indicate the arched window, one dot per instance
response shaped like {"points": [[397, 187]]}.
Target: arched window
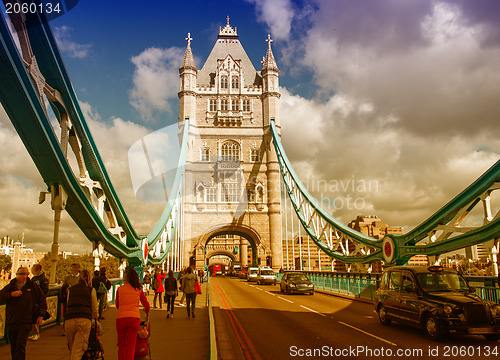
{"points": [[235, 82], [223, 82], [230, 151]]}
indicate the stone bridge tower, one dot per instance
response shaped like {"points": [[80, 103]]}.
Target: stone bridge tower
{"points": [[232, 186]]}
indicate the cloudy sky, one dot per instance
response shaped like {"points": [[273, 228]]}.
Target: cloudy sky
{"points": [[399, 95]]}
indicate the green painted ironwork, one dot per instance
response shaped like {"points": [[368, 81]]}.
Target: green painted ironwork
{"points": [[21, 100], [404, 245]]}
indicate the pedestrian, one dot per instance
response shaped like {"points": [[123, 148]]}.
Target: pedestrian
{"points": [[39, 279], [25, 305], [81, 308], [69, 281], [188, 282], [102, 285], [179, 277], [171, 293], [146, 282], [159, 291], [128, 318]]}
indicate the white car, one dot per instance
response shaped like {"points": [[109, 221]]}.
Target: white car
{"points": [[252, 274], [266, 276]]}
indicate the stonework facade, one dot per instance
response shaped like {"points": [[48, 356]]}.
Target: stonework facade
{"points": [[232, 174]]}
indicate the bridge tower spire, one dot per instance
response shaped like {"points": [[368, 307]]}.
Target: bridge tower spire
{"points": [[270, 104], [188, 76]]}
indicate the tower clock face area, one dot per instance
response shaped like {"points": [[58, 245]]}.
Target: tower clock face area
{"points": [[232, 176]]}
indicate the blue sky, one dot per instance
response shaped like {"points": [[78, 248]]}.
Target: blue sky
{"points": [[403, 94], [111, 34]]}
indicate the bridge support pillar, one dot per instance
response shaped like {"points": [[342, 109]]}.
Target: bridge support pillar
{"points": [[243, 252], [58, 203]]}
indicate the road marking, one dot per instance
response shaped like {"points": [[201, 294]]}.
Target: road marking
{"points": [[270, 293], [258, 288], [236, 322], [367, 333], [314, 311], [279, 297]]}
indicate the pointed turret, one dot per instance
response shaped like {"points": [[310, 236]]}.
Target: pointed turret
{"points": [[269, 64], [188, 61], [188, 76]]}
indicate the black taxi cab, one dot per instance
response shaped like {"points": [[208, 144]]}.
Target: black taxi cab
{"points": [[437, 299]]}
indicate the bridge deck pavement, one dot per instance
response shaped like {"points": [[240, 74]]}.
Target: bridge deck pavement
{"points": [[175, 338]]}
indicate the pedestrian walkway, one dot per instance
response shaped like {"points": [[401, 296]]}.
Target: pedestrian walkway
{"points": [[174, 338]]}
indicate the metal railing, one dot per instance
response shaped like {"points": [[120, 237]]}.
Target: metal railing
{"points": [[363, 286]]}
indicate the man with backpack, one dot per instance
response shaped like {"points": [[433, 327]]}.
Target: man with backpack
{"points": [[101, 284]]}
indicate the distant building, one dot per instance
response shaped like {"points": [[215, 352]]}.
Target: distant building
{"points": [[374, 227], [19, 253]]}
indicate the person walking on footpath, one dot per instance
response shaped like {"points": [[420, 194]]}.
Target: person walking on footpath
{"points": [[26, 305], [179, 277], [102, 290], [128, 317], [69, 281], [188, 288], [146, 282], [159, 291], [171, 293], [39, 279], [81, 308]]}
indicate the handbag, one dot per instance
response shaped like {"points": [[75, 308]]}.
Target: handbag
{"points": [[197, 287]]}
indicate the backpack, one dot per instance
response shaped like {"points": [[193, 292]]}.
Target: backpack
{"points": [[102, 288], [155, 285]]}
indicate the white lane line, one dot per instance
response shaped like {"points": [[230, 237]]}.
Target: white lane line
{"points": [[270, 293], [258, 288], [314, 311], [279, 297], [367, 333]]}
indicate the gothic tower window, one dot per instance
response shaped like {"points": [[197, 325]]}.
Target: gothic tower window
{"points": [[246, 105], [211, 194], [213, 105], [230, 151], [235, 82], [205, 154], [224, 105], [254, 155], [223, 82], [230, 192], [235, 103]]}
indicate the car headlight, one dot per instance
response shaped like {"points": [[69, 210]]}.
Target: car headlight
{"points": [[292, 285], [495, 310], [447, 309], [310, 285]]}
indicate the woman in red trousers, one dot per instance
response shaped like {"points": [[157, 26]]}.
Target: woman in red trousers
{"points": [[128, 318]]}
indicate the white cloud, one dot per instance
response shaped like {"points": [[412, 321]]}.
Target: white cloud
{"points": [[68, 46], [276, 14], [345, 140], [156, 80]]}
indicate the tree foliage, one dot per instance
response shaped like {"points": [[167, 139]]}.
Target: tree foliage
{"points": [[85, 261], [5, 263]]}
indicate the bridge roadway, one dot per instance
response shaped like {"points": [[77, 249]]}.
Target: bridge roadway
{"points": [[267, 324]]}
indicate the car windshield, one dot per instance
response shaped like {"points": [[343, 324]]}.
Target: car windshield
{"points": [[297, 277], [437, 282], [267, 272], [253, 271]]}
